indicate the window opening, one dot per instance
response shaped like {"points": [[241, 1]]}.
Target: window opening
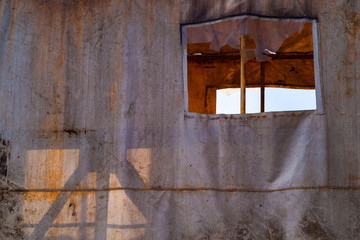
{"points": [[284, 99], [228, 100], [250, 65]]}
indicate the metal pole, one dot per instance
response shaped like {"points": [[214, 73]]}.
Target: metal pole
{"points": [[262, 76]]}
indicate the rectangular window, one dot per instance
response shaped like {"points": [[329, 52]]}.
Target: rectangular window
{"points": [[249, 64]]}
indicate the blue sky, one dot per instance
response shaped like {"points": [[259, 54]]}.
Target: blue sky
{"points": [[276, 99]]}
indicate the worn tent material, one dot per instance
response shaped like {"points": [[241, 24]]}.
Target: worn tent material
{"points": [[228, 32], [97, 146], [293, 42]]}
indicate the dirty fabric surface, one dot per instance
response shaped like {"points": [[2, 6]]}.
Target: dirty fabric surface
{"points": [[97, 144]]}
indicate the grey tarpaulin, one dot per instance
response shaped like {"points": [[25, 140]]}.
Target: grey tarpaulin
{"points": [[98, 145]]}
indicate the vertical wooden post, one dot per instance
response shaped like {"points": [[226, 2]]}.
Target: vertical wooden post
{"points": [[262, 79], [242, 74]]}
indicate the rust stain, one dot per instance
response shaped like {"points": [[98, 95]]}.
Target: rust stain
{"points": [[12, 22], [349, 90], [150, 23], [194, 189], [30, 197], [78, 24], [179, 99], [341, 78], [353, 178], [129, 9], [55, 85], [67, 132], [352, 30], [113, 94]]}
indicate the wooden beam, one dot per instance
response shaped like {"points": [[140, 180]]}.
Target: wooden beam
{"points": [[236, 57], [242, 74]]}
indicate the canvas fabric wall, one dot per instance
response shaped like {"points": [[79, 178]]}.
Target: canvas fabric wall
{"points": [[97, 145]]}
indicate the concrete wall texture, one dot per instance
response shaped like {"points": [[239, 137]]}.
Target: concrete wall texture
{"points": [[95, 143]]}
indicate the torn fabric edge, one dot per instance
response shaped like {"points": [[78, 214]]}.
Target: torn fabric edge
{"points": [[228, 31]]}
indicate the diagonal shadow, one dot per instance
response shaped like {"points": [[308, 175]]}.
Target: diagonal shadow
{"points": [[102, 197], [54, 210], [137, 197]]}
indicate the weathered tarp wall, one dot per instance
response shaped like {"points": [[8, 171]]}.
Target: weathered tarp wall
{"points": [[95, 143]]}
